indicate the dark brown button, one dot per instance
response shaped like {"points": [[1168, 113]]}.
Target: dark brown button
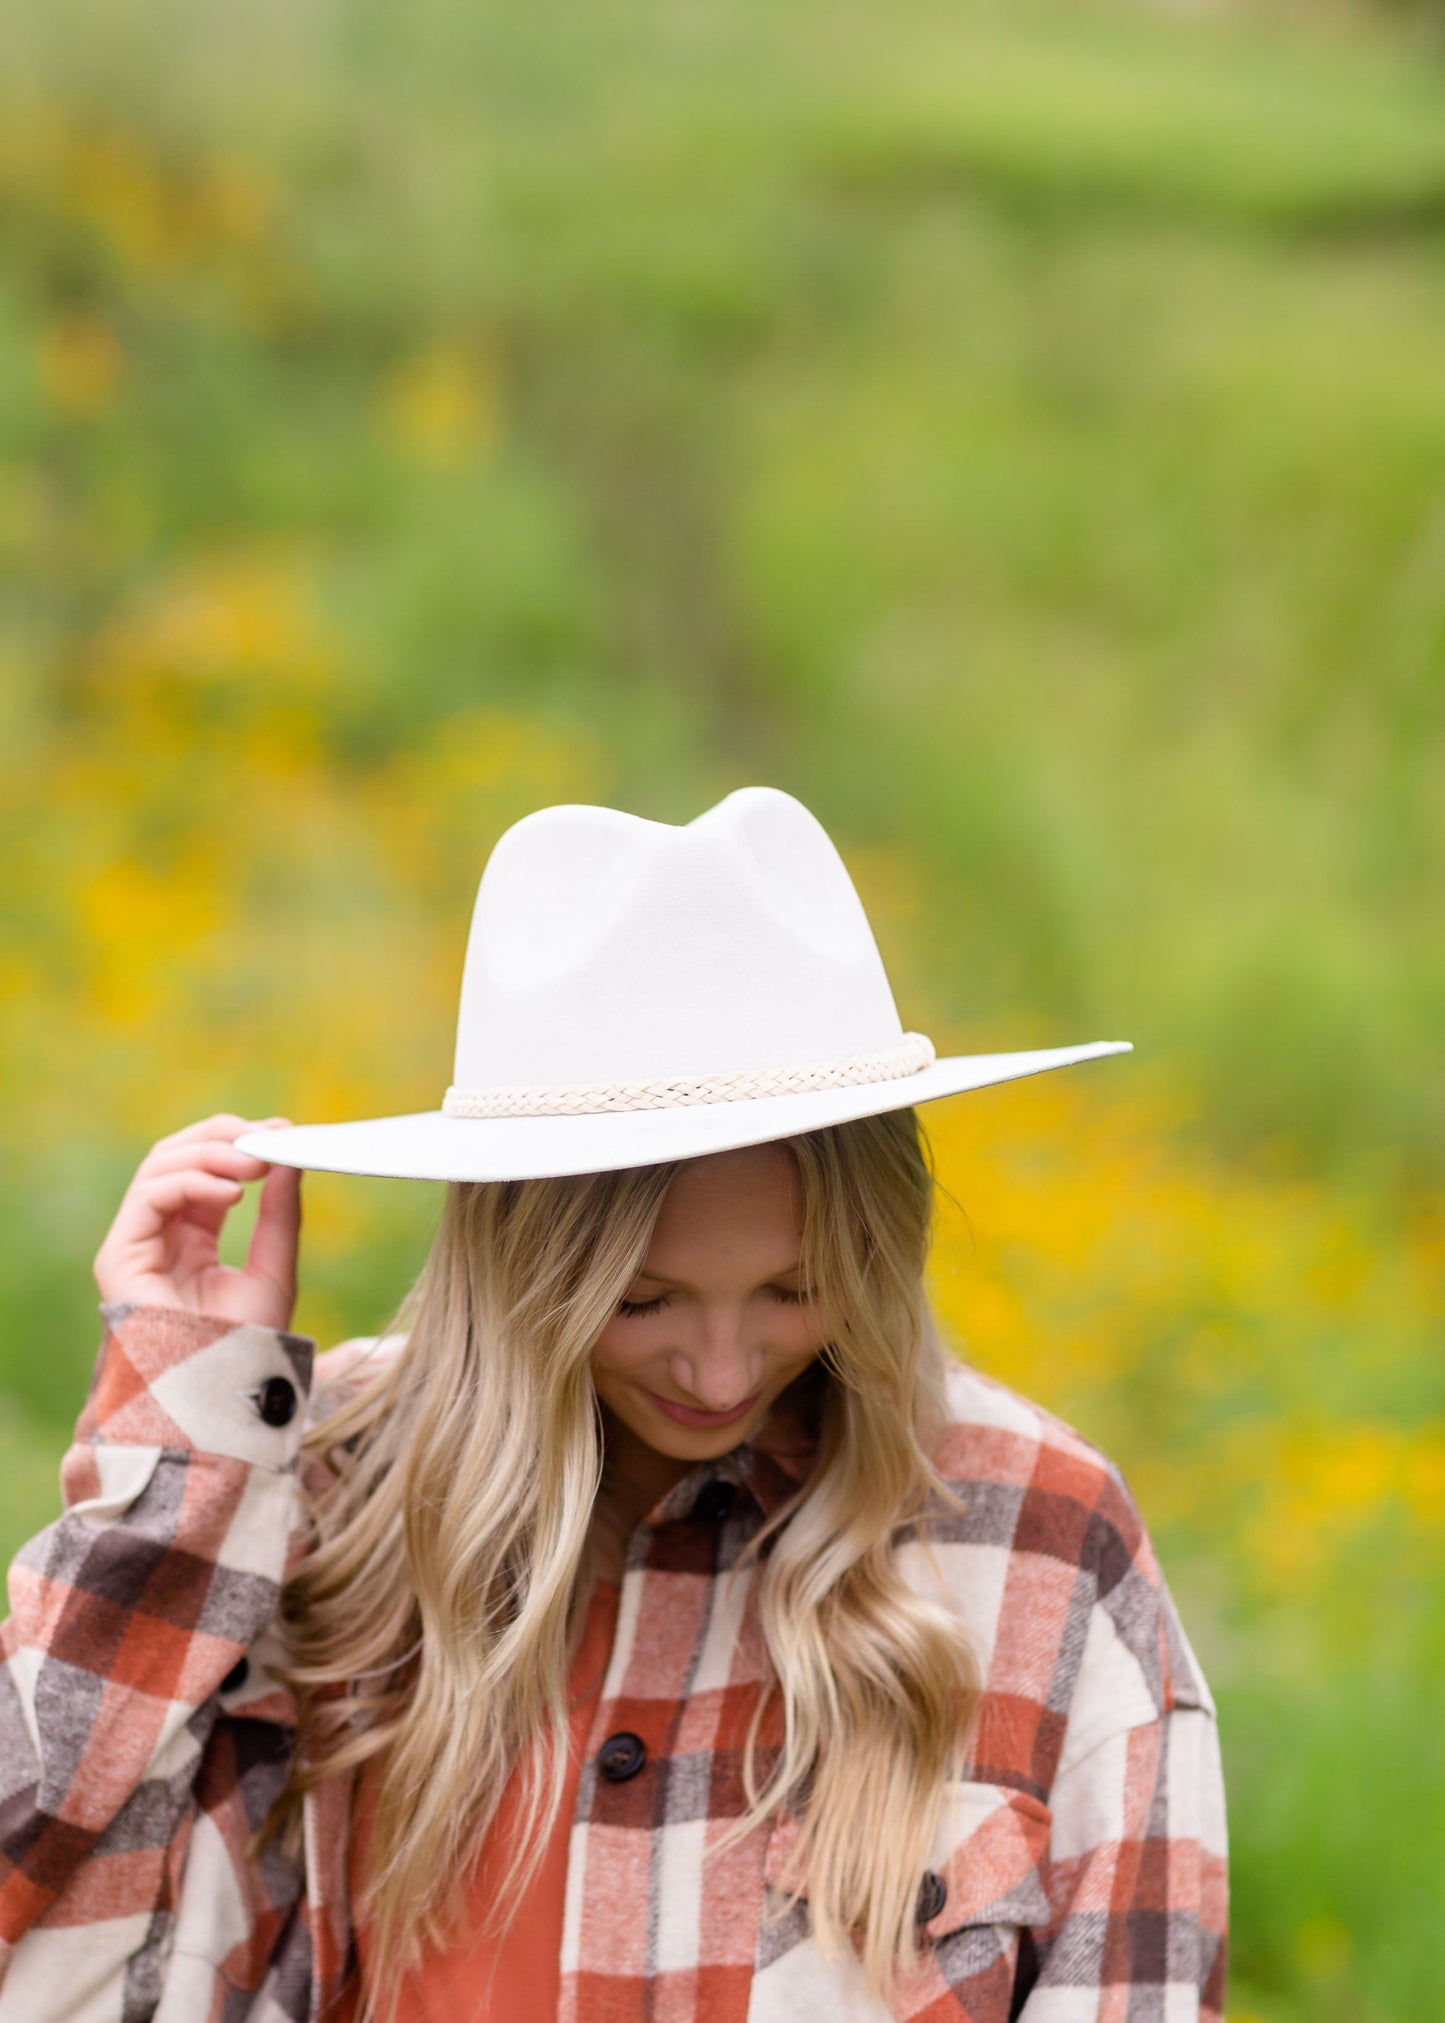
{"points": [[621, 1756], [276, 1401], [714, 1501], [236, 1678], [932, 1892]]}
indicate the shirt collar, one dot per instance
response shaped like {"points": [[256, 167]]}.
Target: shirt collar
{"points": [[772, 1465]]}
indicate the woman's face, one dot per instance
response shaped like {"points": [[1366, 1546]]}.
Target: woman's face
{"points": [[719, 1320]]}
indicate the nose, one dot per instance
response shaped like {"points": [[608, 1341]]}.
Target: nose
{"points": [[721, 1369]]}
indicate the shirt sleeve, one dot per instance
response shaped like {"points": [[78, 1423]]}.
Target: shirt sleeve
{"points": [[1137, 1878], [127, 1614]]}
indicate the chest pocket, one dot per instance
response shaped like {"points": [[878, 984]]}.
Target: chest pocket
{"points": [[984, 1884], [990, 1858]]}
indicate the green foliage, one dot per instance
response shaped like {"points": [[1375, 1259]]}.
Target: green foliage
{"points": [[1017, 429]]}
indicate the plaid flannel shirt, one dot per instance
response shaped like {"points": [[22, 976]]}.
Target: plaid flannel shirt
{"points": [[1078, 1873]]}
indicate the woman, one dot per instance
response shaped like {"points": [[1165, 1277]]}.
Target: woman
{"points": [[664, 1624]]}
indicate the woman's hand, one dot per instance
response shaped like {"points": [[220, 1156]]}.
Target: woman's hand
{"points": [[162, 1247]]}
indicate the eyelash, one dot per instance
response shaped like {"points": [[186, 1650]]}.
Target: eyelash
{"points": [[652, 1306]]}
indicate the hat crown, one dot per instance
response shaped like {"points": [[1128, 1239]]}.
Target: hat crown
{"points": [[608, 948]]}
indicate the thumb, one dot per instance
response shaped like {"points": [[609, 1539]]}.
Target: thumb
{"points": [[271, 1253]]}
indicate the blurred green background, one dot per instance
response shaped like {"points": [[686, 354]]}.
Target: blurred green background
{"points": [[1017, 430]]}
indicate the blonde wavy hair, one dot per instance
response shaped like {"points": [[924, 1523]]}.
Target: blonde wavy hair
{"points": [[433, 1615]]}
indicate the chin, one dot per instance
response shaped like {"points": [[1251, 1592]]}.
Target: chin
{"points": [[689, 1439]]}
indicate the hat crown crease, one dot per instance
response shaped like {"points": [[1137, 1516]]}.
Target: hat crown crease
{"points": [[609, 949]]}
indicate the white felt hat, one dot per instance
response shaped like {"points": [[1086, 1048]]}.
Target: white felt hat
{"points": [[635, 992]]}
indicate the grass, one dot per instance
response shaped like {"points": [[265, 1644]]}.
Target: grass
{"points": [[1017, 430]]}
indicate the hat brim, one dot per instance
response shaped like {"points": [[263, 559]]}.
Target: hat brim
{"points": [[430, 1145]]}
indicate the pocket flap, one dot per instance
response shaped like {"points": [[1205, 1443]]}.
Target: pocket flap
{"points": [[990, 1854], [102, 1479]]}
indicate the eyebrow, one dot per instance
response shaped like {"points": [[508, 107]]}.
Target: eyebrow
{"points": [[681, 1284]]}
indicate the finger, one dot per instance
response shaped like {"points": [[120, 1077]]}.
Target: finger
{"points": [[211, 1155], [225, 1124], [272, 1249], [270, 1124], [149, 1207]]}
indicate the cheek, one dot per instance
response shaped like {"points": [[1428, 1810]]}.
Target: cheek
{"points": [[618, 1348], [800, 1334]]}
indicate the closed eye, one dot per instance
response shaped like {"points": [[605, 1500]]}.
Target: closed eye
{"points": [[634, 1307]]}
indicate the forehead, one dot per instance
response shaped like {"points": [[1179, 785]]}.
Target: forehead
{"points": [[729, 1203]]}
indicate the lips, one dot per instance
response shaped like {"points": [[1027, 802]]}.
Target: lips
{"points": [[686, 1416]]}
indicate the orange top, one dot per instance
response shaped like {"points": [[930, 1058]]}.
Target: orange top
{"points": [[516, 1981]]}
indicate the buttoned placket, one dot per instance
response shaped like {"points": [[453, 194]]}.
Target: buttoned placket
{"points": [[619, 1759], [707, 1494], [743, 1487], [637, 1766]]}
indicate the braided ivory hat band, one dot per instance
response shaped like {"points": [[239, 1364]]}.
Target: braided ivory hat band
{"points": [[577, 1099]]}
